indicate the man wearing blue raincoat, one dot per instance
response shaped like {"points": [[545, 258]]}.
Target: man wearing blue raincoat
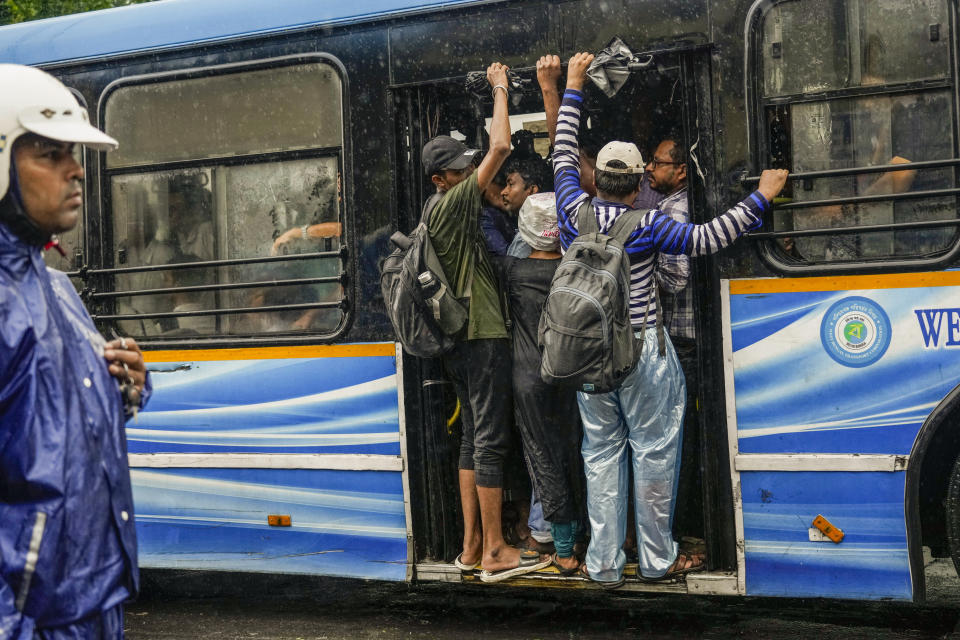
{"points": [[68, 549]]}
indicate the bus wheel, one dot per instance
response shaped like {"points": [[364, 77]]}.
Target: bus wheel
{"points": [[952, 515]]}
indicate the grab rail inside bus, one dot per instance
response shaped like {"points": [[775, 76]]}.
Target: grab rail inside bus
{"points": [[341, 253], [340, 304], [338, 279], [879, 197], [836, 231], [880, 168]]}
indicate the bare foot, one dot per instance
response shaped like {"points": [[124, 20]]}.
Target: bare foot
{"points": [[471, 553], [503, 557]]}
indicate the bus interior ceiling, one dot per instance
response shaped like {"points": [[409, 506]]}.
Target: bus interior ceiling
{"points": [[647, 109]]}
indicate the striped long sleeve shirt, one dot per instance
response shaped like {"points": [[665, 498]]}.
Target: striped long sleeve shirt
{"points": [[657, 232]]}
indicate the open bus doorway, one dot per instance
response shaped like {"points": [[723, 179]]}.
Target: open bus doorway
{"points": [[657, 103]]}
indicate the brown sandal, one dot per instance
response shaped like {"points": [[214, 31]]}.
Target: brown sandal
{"points": [[603, 584], [684, 564]]}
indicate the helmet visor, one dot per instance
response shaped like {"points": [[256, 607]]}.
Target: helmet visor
{"points": [[69, 125]]}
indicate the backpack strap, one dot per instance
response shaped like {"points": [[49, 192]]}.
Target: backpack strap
{"points": [[432, 261], [429, 206], [661, 339], [587, 219]]}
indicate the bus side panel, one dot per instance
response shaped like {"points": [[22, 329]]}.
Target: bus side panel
{"points": [[342, 523], [344, 405], [871, 562], [824, 374], [216, 454], [849, 372]]}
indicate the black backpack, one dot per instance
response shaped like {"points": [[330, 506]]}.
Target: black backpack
{"points": [[586, 338], [420, 304]]}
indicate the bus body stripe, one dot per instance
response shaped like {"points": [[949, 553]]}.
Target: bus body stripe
{"points": [[273, 353], [846, 283]]}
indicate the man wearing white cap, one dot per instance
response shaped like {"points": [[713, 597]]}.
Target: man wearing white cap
{"points": [[645, 414], [67, 539]]}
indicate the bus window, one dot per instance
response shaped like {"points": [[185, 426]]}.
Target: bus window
{"points": [[871, 86], [258, 185]]}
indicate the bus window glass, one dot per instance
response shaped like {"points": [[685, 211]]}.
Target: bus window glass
{"points": [[226, 213], [863, 132], [820, 45], [254, 213], [262, 111]]}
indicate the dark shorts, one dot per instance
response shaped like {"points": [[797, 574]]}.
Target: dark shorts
{"points": [[481, 375]]}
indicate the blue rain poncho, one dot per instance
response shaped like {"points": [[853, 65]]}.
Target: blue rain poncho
{"points": [[67, 542]]}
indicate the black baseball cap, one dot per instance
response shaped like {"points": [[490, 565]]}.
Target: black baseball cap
{"points": [[444, 152]]}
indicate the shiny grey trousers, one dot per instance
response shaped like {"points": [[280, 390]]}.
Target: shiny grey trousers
{"points": [[641, 422]]}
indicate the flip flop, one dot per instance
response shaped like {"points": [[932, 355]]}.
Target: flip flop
{"points": [[564, 571], [676, 573], [529, 562], [463, 566], [603, 584]]}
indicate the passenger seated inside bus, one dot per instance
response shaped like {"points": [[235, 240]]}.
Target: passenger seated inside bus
{"points": [[866, 131], [189, 301]]}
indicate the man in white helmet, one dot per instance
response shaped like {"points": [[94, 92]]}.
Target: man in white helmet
{"points": [[68, 550]]}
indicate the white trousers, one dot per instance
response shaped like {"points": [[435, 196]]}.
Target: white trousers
{"points": [[641, 422]]}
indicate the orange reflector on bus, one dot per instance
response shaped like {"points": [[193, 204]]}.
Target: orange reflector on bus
{"points": [[828, 529], [278, 520]]}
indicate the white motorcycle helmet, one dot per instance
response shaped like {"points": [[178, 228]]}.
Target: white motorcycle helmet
{"points": [[35, 102]]}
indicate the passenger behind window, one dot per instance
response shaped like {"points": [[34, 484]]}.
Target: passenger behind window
{"points": [[190, 209], [863, 134], [189, 301]]}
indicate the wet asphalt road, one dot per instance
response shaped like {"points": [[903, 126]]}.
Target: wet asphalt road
{"points": [[220, 606]]}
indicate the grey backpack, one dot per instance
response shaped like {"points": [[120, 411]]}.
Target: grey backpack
{"points": [[426, 316], [586, 339]]}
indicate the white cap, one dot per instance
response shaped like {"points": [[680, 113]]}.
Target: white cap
{"points": [[36, 102], [625, 152]]}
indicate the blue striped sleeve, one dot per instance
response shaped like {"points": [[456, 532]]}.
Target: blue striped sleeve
{"points": [[673, 237], [566, 166]]}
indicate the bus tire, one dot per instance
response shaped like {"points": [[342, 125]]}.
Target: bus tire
{"points": [[952, 514]]}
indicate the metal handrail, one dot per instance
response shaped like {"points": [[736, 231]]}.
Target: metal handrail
{"points": [[220, 287], [884, 197], [341, 304], [214, 263], [831, 231], [880, 168]]}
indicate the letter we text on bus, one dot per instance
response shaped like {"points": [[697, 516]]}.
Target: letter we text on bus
{"points": [[937, 324]]}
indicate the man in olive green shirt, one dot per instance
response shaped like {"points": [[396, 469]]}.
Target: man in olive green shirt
{"points": [[479, 365]]}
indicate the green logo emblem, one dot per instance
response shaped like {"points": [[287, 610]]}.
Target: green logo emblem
{"points": [[855, 332]]}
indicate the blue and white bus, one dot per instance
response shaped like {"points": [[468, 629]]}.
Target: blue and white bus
{"points": [[268, 151]]}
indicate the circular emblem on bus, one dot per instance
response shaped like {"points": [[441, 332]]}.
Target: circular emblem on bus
{"points": [[855, 331]]}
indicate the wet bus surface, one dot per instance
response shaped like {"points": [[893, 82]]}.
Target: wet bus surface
{"points": [[289, 433]]}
